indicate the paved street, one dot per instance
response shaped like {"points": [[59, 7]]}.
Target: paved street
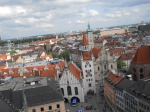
{"points": [[96, 101]]}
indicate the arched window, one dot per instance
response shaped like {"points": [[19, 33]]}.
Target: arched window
{"points": [[62, 90], [105, 67], [98, 68], [69, 90], [141, 76], [76, 90]]}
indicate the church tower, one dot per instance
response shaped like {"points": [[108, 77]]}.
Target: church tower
{"points": [[90, 37], [87, 65]]}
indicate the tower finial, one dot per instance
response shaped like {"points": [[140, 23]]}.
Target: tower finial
{"points": [[88, 25]]}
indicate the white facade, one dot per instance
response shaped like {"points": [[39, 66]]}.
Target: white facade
{"points": [[88, 74], [69, 80], [104, 63]]}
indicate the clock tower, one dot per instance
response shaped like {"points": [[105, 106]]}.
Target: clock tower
{"points": [[90, 37], [87, 66]]}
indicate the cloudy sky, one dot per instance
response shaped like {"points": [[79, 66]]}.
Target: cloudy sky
{"points": [[21, 18]]}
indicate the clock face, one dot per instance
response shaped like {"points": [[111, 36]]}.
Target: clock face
{"points": [[87, 62]]}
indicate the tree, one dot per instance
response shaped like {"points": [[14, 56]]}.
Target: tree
{"points": [[120, 64], [54, 55], [44, 46], [65, 55], [12, 52]]}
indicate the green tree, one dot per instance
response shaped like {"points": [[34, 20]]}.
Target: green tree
{"points": [[54, 55], [65, 54], [44, 46], [120, 64], [12, 52]]}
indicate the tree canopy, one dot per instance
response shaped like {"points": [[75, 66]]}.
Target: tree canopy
{"points": [[120, 64], [65, 54]]}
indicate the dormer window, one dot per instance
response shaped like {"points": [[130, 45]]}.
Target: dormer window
{"points": [[11, 72]]}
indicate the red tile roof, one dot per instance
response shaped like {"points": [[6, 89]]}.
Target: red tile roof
{"points": [[86, 55], [49, 73], [2, 67], [142, 55], [100, 40], [125, 57], [75, 71], [3, 56], [96, 51], [84, 40], [114, 78], [117, 51]]}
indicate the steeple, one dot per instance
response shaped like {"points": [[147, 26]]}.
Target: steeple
{"points": [[88, 25], [84, 40], [89, 29]]}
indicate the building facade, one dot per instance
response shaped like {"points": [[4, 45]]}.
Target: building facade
{"points": [[109, 83], [119, 94], [71, 83], [140, 64]]}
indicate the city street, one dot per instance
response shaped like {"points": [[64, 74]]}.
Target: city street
{"points": [[96, 101]]}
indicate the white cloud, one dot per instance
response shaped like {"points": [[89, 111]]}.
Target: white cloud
{"points": [[7, 11], [68, 22], [49, 16], [32, 20], [80, 21], [44, 25], [110, 15], [63, 15], [93, 12], [135, 10], [18, 21]]}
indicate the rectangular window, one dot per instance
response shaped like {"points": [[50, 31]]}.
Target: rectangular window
{"points": [[105, 67], [90, 85], [50, 107], [111, 66], [33, 110], [89, 65], [42, 109], [85, 66], [58, 106]]}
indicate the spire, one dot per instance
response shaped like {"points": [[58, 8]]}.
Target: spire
{"points": [[88, 29], [84, 41], [88, 25]]}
